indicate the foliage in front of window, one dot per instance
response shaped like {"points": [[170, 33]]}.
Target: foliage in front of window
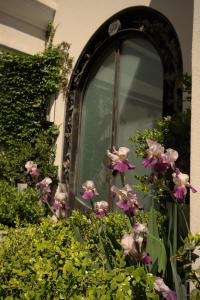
{"points": [[168, 131], [47, 262], [19, 208], [188, 256], [26, 84]]}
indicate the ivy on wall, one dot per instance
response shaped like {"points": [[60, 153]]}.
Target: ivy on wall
{"points": [[26, 84]]}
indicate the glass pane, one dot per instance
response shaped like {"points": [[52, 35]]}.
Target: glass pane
{"points": [[140, 94], [96, 126]]}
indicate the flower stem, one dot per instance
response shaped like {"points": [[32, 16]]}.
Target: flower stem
{"points": [[52, 210], [122, 175], [184, 217], [92, 204]]}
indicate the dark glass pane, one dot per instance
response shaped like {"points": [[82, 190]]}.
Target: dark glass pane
{"points": [[140, 94], [96, 126]]}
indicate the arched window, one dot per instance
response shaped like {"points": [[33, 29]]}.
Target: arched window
{"points": [[127, 82]]}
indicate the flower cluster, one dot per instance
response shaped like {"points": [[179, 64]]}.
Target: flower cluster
{"points": [[44, 188], [161, 160], [88, 192], [126, 199], [31, 168], [163, 289], [119, 159], [158, 158], [134, 244]]}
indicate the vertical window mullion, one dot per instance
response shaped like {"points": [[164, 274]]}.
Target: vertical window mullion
{"points": [[115, 96], [115, 111]]}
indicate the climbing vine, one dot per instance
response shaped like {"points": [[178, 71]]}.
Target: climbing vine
{"points": [[26, 85]]}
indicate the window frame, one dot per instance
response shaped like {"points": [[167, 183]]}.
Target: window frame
{"points": [[81, 77]]}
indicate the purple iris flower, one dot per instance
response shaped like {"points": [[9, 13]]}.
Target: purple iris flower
{"points": [[89, 190], [119, 159]]}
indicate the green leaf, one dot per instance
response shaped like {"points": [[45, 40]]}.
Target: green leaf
{"points": [[179, 287], [155, 245]]}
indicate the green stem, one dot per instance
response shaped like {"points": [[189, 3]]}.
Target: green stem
{"points": [[52, 210], [122, 175], [184, 217], [175, 231], [92, 204]]}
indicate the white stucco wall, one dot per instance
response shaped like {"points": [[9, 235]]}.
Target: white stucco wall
{"points": [[195, 123], [78, 20], [23, 24]]}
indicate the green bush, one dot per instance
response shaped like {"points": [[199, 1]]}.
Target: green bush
{"points": [[17, 208], [48, 262], [14, 157]]}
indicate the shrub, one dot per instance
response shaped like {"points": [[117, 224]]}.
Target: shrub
{"points": [[19, 207], [47, 262]]}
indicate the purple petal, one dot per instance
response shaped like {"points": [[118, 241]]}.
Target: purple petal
{"points": [[101, 214], [87, 195], [123, 205], [35, 173], [130, 166], [176, 170], [148, 162], [132, 211], [193, 189], [147, 260], [170, 295], [121, 167], [180, 192], [56, 206], [161, 167]]}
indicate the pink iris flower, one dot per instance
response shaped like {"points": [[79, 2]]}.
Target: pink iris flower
{"points": [[140, 232], [44, 188], [126, 199], [128, 244], [60, 201], [89, 190], [31, 168], [44, 184], [101, 208], [134, 244], [181, 182], [119, 159], [164, 290], [158, 158]]}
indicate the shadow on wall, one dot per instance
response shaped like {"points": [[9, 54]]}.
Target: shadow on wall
{"points": [[180, 14]]}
